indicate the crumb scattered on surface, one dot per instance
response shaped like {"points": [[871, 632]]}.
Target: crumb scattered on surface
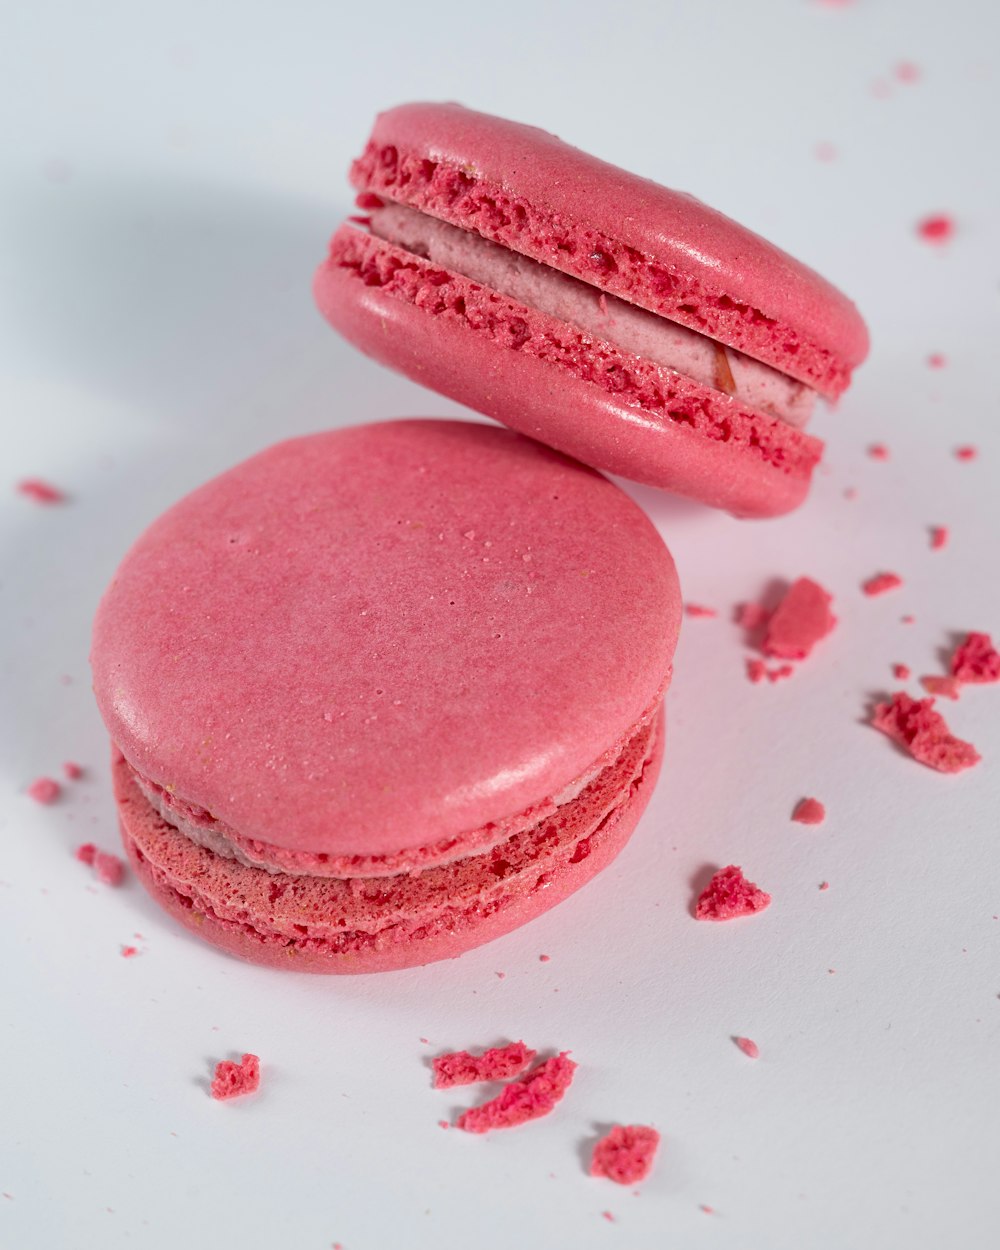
{"points": [[625, 1155], [86, 853], [707, 1209], [907, 72], [528, 1099], [976, 660], [41, 492], [880, 583], [966, 453], [901, 672], [751, 616], [938, 228], [231, 1080], [916, 726], [878, 451], [809, 812], [44, 790], [499, 1064], [544, 958], [937, 360], [728, 895], [800, 620], [824, 885], [949, 687], [939, 537], [608, 1216], [108, 868], [757, 671], [825, 151], [129, 952], [698, 609], [71, 771], [908, 619], [748, 1046]]}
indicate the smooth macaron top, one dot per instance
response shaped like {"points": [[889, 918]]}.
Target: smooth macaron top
{"points": [[365, 641], [661, 249]]}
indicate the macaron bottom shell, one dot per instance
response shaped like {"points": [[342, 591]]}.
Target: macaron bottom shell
{"points": [[185, 879]]}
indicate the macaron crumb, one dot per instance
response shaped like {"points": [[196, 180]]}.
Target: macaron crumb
{"points": [[544, 959], [824, 885], [939, 537], [915, 726], [729, 895], [108, 868], [232, 1080], [948, 687], [809, 812], [966, 452], [750, 616], [699, 610], [608, 1216], [498, 1064], [901, 672], [937, 360], [706, 1208], [71, 771], [976, 660], [36, 489], [880, 583], [44, 790], [748, 1046], [938, 228], [757, 670], [800, 621], [878, 451], [528, 1099], [625, 1155], [129, 952]]}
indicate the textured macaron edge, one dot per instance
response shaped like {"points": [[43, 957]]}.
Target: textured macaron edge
{"points": [[547, 379], [660, 249], [448, 930]]}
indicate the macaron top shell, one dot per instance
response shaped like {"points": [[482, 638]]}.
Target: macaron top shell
{"points": [[367, 640], [661, 249]]}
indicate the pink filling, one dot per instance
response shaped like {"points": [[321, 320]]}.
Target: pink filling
{"points": [[333, 914], [606, 317], [656, 391], [202, 827], [534, 1096], [462, 198], [498, 1064], [626, 1154]]}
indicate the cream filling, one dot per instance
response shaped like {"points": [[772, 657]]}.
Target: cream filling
{"points": [[606, 317]]}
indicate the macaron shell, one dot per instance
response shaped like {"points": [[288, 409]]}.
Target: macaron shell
{"points": [[373, 639], [658, 248], [247, 938], [495, 376]]}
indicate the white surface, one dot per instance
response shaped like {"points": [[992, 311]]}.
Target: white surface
{"points": [[171, 174]]}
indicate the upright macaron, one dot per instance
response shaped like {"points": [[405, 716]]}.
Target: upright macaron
{"points": [[624, 323], [382, 694]]}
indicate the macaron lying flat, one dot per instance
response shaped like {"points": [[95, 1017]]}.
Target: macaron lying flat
{"points": [[626, 324], [382, 694]]}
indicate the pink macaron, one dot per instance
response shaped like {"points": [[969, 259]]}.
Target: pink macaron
{"points": [[383, 694], [626, 324]]}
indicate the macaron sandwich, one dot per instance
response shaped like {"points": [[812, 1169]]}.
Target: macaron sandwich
{"points": [[382, 694]]}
